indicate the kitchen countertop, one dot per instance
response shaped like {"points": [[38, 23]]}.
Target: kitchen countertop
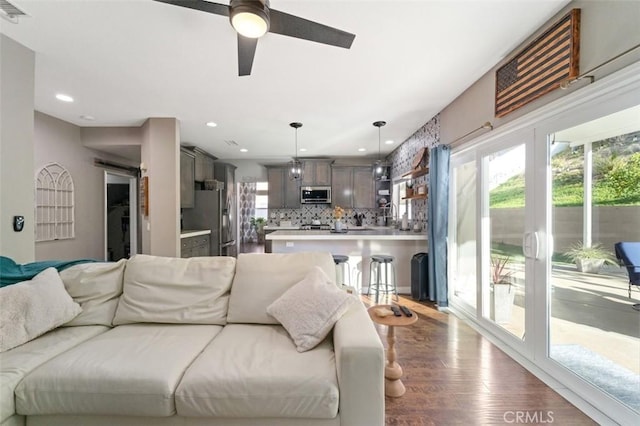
{"points": [[371, 233], [276, 227], [186, 233]]}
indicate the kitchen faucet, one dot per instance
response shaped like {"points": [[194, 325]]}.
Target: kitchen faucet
{"points": [[393, 211]]}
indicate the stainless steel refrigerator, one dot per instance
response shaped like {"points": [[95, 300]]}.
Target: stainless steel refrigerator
{"points": [[215, 209]]}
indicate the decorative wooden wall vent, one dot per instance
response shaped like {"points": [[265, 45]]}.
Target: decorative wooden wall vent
{"points": [[541, 67]]}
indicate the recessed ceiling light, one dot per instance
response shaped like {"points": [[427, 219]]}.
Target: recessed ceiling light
{"points": [[87, 117], [64, 98], [244, 150], [211, 124], [389, 142], [303, 149], [362, 149]]}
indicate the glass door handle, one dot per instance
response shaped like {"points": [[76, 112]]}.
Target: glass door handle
{"points": [[531, 245]]}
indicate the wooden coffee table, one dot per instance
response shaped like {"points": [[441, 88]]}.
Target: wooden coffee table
{"points": [[392, 371]]}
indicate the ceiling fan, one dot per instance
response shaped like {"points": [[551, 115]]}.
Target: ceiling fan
{"points": [[253, 18]]}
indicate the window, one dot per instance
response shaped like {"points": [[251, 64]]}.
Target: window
{"points": [[54, 203], [262, 199], [403, 206]]}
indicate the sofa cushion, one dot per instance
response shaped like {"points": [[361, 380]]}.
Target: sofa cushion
{"points": [[129, 370], [259, 373], [185, 291], [18, 362], [262, 278], [309, 309], [97, 288], [31, 308]]}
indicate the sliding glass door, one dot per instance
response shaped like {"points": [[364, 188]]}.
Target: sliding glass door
{"points": [[535, 213], [594, 332], [489, 274]]}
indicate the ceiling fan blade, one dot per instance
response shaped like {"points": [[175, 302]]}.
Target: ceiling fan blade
{"points": [[294, 26], [246, 52], [204, 6]]}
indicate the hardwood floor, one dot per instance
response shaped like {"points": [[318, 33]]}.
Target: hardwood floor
{"points": [[454, 376]]}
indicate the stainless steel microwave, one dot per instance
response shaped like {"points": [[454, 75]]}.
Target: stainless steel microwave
{"points": [[315, 195]]}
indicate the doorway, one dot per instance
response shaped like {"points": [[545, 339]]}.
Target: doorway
{"points": [[120, 219]]}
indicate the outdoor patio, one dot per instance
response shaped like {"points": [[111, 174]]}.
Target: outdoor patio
{"points": [[594, 331]]}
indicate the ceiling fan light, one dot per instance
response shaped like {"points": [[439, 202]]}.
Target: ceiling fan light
{"points": [[250, 18], [249, 24]]}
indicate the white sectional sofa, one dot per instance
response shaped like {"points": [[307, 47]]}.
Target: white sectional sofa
{"points": [[168, 341]]}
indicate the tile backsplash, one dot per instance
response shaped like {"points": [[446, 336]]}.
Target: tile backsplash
{"points": [[402, 157], [321, 212]]}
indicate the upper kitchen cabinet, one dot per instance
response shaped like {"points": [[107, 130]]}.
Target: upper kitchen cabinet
{"points": [[352, 187], [363, 191], [187, 178], [317, 173], [204, 165], [283, 193]]}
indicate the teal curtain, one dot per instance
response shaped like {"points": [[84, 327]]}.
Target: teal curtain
{"points": [[438, 223]]}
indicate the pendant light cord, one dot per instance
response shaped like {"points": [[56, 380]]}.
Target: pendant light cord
{"points": [[379, 144], [379, 124], [296, 126]]}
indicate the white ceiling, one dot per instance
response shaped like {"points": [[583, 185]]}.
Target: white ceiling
{"points": [[126, 60]]}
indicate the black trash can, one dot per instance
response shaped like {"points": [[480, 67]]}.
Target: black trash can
{"points": [[419, 277]]}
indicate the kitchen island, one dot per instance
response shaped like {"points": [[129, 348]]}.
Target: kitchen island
{"points": [[359, 244]]}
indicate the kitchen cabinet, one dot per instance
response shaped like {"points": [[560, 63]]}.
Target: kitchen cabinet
{"points": [[195, 246], [363, 188], [268, 244], [317, 172], [204, 166], [283, 193], [187, 178], [352, 187]]}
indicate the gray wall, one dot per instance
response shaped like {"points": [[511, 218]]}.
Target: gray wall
{"points": [[125, 141], [58, 141], [161, 152], [249, 171], [607, 29], [17, 64]]}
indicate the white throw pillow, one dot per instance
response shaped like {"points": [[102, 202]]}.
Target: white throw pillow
{"points": [[309, 309], [97, 288], [176, 291], [31, 308]]}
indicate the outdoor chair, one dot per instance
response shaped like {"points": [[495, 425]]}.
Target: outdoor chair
{"points": [[628, 254]]}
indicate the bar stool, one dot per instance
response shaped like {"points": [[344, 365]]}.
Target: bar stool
{"points": [[377, 262], [341, 261]]}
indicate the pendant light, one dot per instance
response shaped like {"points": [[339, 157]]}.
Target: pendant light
{"points": [[295, 166], [379, 167]]}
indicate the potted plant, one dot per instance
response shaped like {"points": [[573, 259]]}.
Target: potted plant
{"points": [[409, 188], [338, 212], [502, 291], [258, 224], [589, 259]]}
